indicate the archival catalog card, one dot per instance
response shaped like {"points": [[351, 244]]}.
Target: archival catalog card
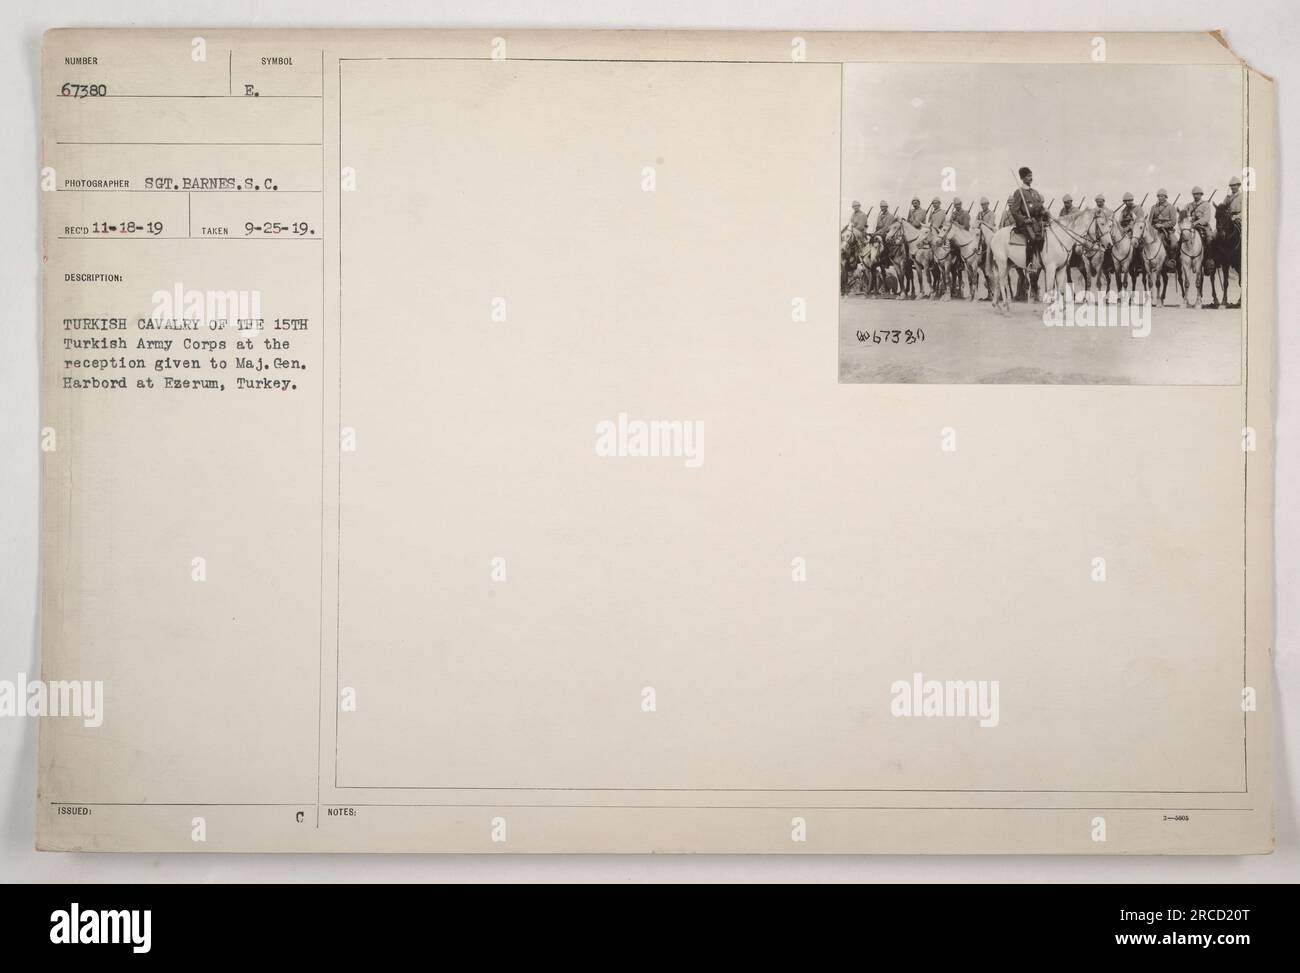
{"points": [[658, 442]]}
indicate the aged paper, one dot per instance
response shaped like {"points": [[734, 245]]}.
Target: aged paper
{"points": [[477, 442]]}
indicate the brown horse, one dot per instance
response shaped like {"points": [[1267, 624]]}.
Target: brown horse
{"points": [[1224, 255], [850, 260]]}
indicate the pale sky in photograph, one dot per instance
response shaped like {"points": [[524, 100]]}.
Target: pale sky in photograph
{"points": [[1081, 128]]}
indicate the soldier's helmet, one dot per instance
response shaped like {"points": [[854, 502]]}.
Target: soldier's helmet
{"points": [[1161, 194], [856, 204], [935, 201], [916, 200], [956, 202], [884, 205], [1128, 197], [1197, 191], [1067, 198], [984, 200], [1100, 199], [1234, 182]]}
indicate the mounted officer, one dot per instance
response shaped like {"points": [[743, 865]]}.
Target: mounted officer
{"points": [[1067, 205], [1028, 213], [1201, 213], [858, 221], [916, 216], [885, 219], [960, 216], [1234, 202], [1164, 218], [1129, 212], [936, 214]]}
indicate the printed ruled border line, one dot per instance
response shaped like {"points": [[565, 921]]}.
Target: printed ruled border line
{"points": [[662, 807], [320, 621], [339, 500]]}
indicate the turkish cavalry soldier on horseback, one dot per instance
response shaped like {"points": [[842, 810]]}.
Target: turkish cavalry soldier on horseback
{"points": [[1028, 214], [1201, 213], [1234, 200], [1164, 218]]}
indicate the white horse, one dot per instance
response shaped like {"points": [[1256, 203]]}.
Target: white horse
{"points": [[1191, 258], [1151, 258], [1060, 237]]}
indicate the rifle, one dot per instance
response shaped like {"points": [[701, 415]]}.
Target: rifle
{"points": [[945, 219], [1020, 189]]}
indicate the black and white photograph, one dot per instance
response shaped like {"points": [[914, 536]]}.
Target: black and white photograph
{"points": [[438, 451], [1042, 224]]}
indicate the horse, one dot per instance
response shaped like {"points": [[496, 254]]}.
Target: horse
{"points": [[1191, 257], [916, 246], [1095, 256], [1064, 238], [1005, 255], [872, 256], [1151, 259], [1224, 255], [891, 264], [964, 246], [987, 232], [1060, 237], [850, 259], [1123, 254]]}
